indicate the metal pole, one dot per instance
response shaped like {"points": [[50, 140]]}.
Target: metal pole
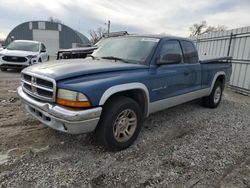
{"points": [[108, 26], [229, 45]]}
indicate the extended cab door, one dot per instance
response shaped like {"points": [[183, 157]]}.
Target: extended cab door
{"points": [[192, 65], [175, 79]]}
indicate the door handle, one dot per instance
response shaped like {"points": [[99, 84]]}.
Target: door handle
{"points": [[186, 73]]}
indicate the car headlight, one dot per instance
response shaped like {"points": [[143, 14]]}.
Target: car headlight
{"points": [[72, 98]]}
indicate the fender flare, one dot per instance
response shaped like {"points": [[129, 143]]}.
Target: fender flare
{"points": [[217, 74], [126, 87]]}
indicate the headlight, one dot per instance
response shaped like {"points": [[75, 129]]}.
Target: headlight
{"points": [[72, 98]]}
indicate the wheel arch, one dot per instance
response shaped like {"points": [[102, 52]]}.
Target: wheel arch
{"points": [[221, 76], [136, 91], [222, 79]]}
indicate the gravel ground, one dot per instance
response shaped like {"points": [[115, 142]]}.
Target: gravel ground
{"points": [[185, 146]]}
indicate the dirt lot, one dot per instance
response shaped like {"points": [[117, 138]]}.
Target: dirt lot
{"points": [[185, 146]]}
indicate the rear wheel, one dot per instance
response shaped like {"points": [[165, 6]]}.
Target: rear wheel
{"points": [[213, 100], [120, 123]]}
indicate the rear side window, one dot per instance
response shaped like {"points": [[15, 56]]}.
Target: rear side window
{"points": [[190, 53], [171, 47]]}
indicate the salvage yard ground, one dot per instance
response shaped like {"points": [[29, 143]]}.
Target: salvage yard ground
{"points": [[185, 146]]}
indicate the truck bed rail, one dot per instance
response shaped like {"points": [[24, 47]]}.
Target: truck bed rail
{"points": [[214, 59]]}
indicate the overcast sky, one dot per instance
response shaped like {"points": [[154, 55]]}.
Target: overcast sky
{"points": [[136, 16]]}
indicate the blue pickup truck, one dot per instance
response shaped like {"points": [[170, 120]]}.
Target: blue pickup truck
{"points": [[124, 80]]}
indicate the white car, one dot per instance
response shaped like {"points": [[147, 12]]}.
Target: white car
{"points": [[22, 53]]}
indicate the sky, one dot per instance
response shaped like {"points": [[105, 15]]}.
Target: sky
{"points": [[172, 17]]}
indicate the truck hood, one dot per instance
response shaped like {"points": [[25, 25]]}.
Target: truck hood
{"points": [[64, 69], [18, 53]]}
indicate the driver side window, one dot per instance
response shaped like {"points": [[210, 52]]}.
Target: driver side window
{"points": [[171, 47]]}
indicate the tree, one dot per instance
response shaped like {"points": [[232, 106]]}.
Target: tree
{"points": [[55, 20], [201, 28], [97, 34]]}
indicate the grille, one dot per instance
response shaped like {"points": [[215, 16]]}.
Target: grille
{"points": [[12, 66], [39, 87], [15, 59]]}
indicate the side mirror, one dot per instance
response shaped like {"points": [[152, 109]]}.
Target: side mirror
{"points": [[169, 59], [43, 50]]}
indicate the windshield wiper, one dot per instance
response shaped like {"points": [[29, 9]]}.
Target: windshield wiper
{"points": [[115, 58]]}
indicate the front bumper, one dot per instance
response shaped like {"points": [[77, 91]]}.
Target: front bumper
{"points": [[59, 118], [13, 66]]}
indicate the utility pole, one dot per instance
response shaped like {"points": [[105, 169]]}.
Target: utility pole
{"points": [[108, 26]]}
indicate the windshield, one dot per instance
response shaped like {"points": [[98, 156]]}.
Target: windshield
{"points": [[128, 49], [23, 46], [101, 42]]}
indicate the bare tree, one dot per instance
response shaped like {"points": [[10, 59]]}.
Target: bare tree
{"points": [[196, 29], [97, 34], [201, 28], [55, 20]]}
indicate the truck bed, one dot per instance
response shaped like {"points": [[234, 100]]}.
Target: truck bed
{"points": [[214, 59]]}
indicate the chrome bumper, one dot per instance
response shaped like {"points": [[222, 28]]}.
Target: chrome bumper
{"points": [[59, 118]]}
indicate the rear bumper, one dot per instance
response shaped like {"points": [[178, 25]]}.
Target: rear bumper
{"points": [[59, 118]]}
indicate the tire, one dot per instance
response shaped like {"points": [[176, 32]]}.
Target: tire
{"points": [[213, 100], [3, 69], [113, 131], [39, 60]]}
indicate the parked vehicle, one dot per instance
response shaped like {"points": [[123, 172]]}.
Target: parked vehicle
{"points": [[83, 52], [126, 79], [22, 53], [75, 53]]}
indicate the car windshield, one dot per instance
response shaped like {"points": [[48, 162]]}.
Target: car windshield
{"points": [[23, 46], [101, 42], [127, 49]]}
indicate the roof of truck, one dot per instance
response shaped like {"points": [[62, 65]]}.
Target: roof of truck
{"points": [[159, 36]]}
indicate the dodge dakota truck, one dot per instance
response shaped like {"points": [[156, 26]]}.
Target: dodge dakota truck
{"points": [[123, 82]]}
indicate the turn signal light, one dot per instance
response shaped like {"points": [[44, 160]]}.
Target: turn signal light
{"points": [[78, 104]]}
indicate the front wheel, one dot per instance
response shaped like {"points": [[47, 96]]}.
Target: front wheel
{"points": [[213, 100], [120, 123]]}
